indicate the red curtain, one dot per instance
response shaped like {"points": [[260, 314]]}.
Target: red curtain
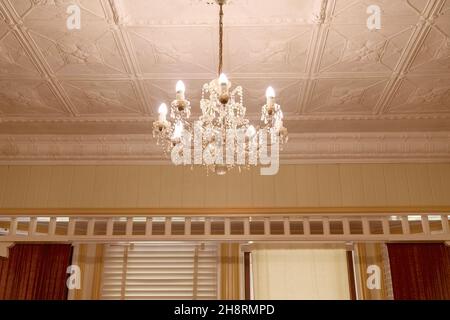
{"points": [[420, 271], [35, 272]]}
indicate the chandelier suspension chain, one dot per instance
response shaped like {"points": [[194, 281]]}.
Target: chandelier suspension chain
{"points": [[221, 39]]}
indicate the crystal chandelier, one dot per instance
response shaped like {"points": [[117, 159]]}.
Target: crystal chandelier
{"points": [[222, 128]]}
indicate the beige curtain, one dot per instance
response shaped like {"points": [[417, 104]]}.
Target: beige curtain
{"points": [[230, 271], [89, 257], [369, 254], [291, 272]]}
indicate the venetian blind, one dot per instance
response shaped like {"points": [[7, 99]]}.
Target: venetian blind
{"points": [[148, 271]]}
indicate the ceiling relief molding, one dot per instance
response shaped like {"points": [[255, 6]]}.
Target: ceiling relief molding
{"points": [[27, 43], [413, 48], [129, 149], [326, 67], [117, 23], [127, 118], [202, 13], [418, 96], [315, 53]]}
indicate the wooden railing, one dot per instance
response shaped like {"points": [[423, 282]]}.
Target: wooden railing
{"points": [[265, 227]]}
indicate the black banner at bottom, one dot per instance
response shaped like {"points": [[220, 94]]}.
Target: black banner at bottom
{"points": [[179, 310]]}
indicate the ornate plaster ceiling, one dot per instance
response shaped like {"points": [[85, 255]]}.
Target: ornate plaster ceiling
{"points": [[348, 93]]}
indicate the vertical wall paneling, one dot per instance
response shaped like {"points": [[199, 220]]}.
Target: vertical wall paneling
{"points": [[3, 182], [60, 187], [330, 194], [16, 187], [374, 185], [263, 193], [286, 197], [352, 185], [38, 188], [149, 182], [127, 187], [420, 186], [216, 191], [397, 189], [83, 186], [105, 185], [344, 185], [171, 186], [440, 178], [307, 186], [193, 187]]}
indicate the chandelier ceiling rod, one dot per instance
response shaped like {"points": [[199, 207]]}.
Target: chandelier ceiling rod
{"points": [[220, 38]]}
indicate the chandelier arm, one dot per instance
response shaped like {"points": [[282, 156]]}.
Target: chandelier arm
{"points": [[220, 38]]}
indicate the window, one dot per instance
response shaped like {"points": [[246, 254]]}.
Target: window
{"points": [[294, 272], [159, 270]]}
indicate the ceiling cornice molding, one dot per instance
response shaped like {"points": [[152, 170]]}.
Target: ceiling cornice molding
{"points": [[141, 149], [150, 119]]}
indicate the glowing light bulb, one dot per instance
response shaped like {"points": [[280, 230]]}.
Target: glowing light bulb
{"points": [[162, 112], [270, 92], [270, 95], [223, 80], [178, 131], [180, 86], [163, 109]]}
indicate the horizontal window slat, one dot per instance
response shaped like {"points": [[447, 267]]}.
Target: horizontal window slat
{"points": [[160, 290], [161, 286], [202, 276], [169, 259]]}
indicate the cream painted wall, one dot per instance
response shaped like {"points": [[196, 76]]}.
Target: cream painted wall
{"points": [[344, 185]]}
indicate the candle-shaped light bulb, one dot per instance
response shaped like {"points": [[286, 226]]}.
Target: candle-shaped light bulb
{"points": [[270, 92], [178, 131], [270, 95], [223, 80], [162, 112], [181, 89]]}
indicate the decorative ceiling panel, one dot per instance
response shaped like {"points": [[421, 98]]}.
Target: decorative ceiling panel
{"points": [[350, 49], [331, 73], [14, 60], [394, 12], [265, 50], [174, 49], [93, 50], [346, 95], [434, 54], [3, 25], [32, 97], [421, 95], [199, 12], [109, 98], [55, 11]]}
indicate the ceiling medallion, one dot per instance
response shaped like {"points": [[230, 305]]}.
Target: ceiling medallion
{"points": [[222, 130]]}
